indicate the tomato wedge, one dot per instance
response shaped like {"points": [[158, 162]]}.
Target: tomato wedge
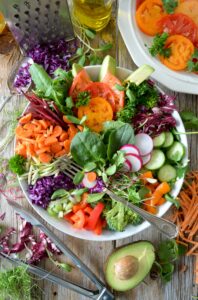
{"points": [[181, 51], [179, 24], [79, 219], [148, 14], [111, 80], [79, 83], [189, 8], [101, 89]]}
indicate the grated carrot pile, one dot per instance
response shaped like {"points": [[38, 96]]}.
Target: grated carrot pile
{"points": [[186, 217]]}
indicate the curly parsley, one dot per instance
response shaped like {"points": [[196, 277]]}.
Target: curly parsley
{"points": [[158, 46], [83, 99], [193, 62], [170, 5]]}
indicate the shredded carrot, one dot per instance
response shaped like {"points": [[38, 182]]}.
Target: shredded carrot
{"points": [[186, 217]]}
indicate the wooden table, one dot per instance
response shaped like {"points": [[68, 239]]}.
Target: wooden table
{"points": [[92, 253]]}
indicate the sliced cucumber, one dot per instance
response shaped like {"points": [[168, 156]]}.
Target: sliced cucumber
{"points": [[108, 66], [175, 152], [139, 75], [167, 173], [169, 139], [157, 160], [159, 140], [76, 69]]}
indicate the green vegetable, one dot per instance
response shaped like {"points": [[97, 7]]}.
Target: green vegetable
{"points": [[65, 266], [142, 94], [158, 46], [83, 99], [17, 284], [17, 164], [78, 177], [173, 200], [193, 62], [190, 119], [87, 147], [118, 138], [95, 197], [53, 89], [170, 5], [168, 251]]}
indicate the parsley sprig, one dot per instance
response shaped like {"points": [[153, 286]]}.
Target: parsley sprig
{"points": [[170, 5], [193, 62], [83, 99], [158, 46], [190, 119]]}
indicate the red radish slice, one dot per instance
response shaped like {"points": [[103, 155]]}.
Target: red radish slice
{"points": [[127, 167], [144, 143], [146, 159], [87, 183], [135, 160], [129, 148]]}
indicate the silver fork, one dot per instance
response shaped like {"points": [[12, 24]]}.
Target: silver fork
{"points": [[164, 226]]}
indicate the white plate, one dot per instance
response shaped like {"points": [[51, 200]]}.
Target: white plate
{"points": [[136, 40], [107, 235]]}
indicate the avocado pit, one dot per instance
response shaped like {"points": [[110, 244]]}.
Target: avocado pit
{"points": [[126, 267]]}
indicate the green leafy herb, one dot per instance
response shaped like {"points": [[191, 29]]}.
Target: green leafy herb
{"points": [[17, 164], [83, 99], [87, 147], [90, 167], [190, 119], [90, 33], [78, 177], [65, 266], [193, 62], [111, 170], [95, 197], [170, 5], [119, 87], [181, 170], [158, 46], [173, 200]]}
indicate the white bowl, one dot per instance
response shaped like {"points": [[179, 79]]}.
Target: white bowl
{"points": [[108, 235], [136, 40]]}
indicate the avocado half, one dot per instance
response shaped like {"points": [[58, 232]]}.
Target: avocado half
{"points": [[127, 266]]}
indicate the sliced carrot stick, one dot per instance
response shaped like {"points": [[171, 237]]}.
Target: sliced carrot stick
{"points": [[66, 120], [61, 153], [25, 119], [45, 158], [67, 146], [72, 131], [44, 124], [43, 150], [50, 140], [57, 131], [64, 136], [55, 147]]}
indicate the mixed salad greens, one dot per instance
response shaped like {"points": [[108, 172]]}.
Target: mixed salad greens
{"points": [[121, 135]]}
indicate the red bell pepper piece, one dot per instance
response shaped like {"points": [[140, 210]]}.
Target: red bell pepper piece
{"points": [[82, 204], [98, 228], [79, 219], [94, 216], [68, 216]]}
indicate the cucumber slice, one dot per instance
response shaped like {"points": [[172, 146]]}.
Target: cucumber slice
{"points": [[159, 140], [76, 69], [169, 139], [139, 75], [167, 173], [157, 160], [175, 152]]}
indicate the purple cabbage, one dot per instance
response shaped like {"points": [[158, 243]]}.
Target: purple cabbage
{"points": [[98, 188], [157, 120], [51, 56], [40, 193]]}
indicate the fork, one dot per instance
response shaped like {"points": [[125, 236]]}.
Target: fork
{"points": [[164, 226]]}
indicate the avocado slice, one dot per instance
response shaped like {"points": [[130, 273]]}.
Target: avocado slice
{"points": [[108, 66], [139, 75], [127, 266], [76, 69]]}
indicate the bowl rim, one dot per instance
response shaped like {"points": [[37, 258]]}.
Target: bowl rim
{"points": [[176, 81], [107, 235]]}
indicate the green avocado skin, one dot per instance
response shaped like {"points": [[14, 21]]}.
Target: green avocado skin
{"points": [[144, 251]]}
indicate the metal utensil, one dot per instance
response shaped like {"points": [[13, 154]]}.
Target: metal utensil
{"points": [[166, 227]]}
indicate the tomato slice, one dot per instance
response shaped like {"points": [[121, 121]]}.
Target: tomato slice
{"points": [[101, 89], [189, 8], [111, 80], [179, 24], [181, 51], [79, 83], [148, 14], [79, 219]]}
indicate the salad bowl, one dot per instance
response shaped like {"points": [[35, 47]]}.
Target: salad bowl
{"points": [[138, 43], [107, 235]]}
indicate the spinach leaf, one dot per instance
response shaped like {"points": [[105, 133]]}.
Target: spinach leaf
{"points": [[95, 197], [118, 138], [87, 147], [40, 78]]}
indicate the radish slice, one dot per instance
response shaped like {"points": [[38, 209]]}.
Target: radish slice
{"points": [[135, 160], [127, 167], [144, 143], [129, 148], [87, 183], [146, 159]]}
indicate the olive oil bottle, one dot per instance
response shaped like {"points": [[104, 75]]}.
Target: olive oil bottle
{"points": [[94, 14]]}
